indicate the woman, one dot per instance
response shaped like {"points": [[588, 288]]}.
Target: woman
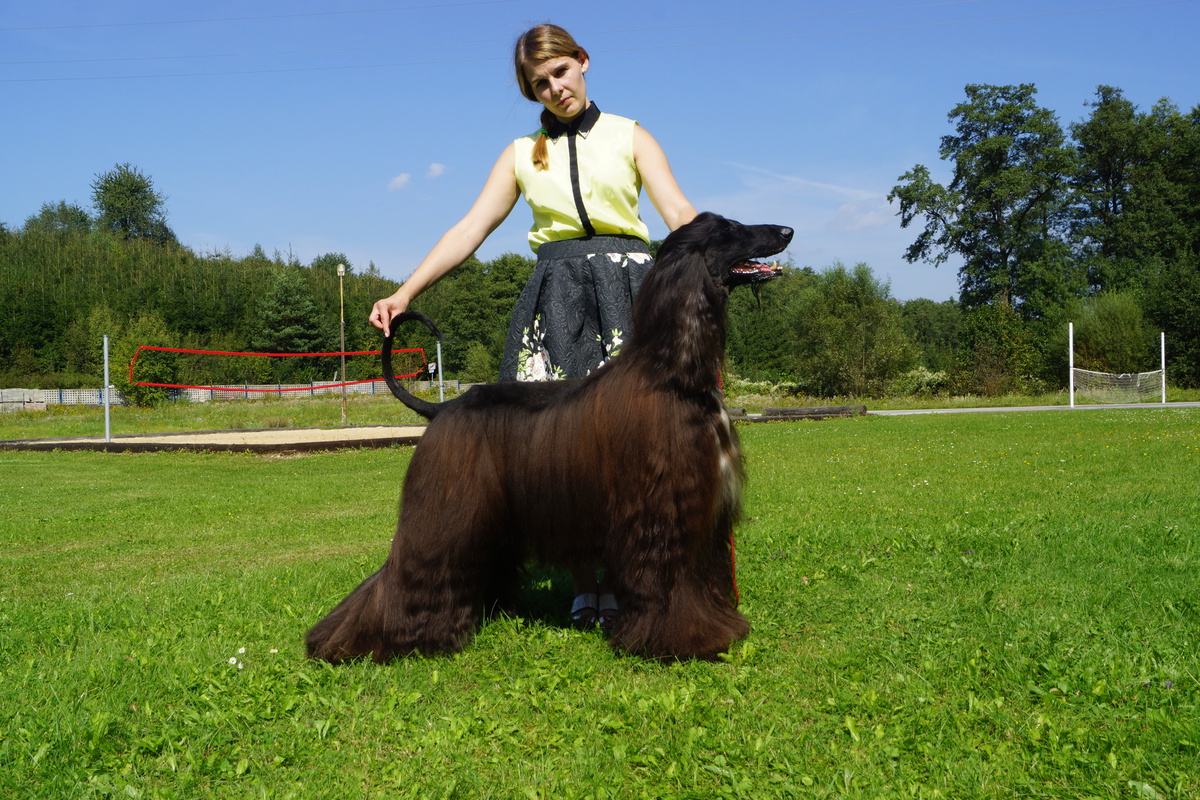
{"points": [[581, 174]]}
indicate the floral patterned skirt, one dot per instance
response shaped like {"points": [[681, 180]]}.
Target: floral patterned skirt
{"points": [[575, 311]]}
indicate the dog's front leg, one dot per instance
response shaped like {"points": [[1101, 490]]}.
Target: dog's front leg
{"points": [[675, 600]]}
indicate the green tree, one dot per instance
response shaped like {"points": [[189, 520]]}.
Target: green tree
{"points": [[997, 355], [472, 305], [1112, 150], [62, 220], [1005, 211], [1137, 188], [1173, 303], [1112, 335], [289, 322], [1171, 192], [84, 337], [934, 328], [128, 205], [847, 334], [759, 341], [152, 366], [328, 262], [481, 366]]}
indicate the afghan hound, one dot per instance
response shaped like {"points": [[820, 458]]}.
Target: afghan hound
{"points": [[635, 467]]}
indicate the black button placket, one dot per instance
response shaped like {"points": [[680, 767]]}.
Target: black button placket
{"points": [[581, 125], [584, 220]]}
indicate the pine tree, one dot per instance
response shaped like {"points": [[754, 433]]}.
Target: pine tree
{"points": [[289, 322]]}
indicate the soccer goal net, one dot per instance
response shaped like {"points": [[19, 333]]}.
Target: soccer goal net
{"points": [[1112, 387]]}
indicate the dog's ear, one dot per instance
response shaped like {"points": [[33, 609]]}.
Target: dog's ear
{"points": [[719, 243], [735, 245], [693, 238]]}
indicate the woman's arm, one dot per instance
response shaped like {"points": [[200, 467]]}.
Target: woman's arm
{"points": [[661, 187], [493, 205]]}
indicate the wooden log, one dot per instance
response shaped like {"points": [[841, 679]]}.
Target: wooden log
{"points": [[813, 412]]}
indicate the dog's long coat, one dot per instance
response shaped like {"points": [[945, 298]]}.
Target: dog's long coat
{"points": [[635, 467]]}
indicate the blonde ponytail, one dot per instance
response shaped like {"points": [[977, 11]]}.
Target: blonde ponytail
{"points": [[541, 154]]}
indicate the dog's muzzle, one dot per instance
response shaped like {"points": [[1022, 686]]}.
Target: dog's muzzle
{"points": [[755, 272]]}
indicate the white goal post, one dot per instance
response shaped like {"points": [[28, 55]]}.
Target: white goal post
{"points": [[1111, 387]]}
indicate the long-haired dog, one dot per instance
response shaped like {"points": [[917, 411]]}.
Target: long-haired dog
{"points": [[635, 467]]}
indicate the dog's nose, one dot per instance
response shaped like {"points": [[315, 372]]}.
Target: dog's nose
{"points": [[786, 233]]}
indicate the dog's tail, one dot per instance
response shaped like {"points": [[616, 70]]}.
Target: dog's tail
{"points": [[422, 407]]}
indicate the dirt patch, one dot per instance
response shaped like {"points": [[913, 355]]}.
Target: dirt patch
{"points": [[273, 440]]}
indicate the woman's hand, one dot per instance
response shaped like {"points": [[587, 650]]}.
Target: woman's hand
{"points": [[385, 310]]}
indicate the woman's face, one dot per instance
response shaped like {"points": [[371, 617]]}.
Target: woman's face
{"points": [[560, 86]]}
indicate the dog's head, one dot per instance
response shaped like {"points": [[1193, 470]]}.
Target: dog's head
{"points": [[679, 311], [729, 248]]}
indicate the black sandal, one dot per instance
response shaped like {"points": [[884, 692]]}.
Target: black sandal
{"points": [[584, 611], [609, 612]]}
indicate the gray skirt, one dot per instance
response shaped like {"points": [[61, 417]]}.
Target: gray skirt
{"points": [[574, 313]]}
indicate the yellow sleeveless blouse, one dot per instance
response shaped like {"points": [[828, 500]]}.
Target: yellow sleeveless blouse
{"points": [[607, 181]]}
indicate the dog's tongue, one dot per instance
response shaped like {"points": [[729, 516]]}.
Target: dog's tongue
{"points": [[756, 271]]}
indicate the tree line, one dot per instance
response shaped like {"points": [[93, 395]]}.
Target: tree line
{"points": [[1098, 224]]}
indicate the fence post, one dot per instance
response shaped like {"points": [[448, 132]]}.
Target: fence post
{"points": [[107, 391], [1162, 341], [441, 380], [1071, 361]]}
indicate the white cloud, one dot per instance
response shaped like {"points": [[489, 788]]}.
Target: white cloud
{"points": [[399, 182], [803, 183], [435, 170], [861, 215]]}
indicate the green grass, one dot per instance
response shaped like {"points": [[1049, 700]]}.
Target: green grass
{"points": [[986, 605]]}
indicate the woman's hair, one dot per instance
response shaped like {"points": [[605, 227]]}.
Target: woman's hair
{"points": [[537, 45]]}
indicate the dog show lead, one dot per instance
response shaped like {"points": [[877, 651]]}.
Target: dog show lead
{"points": [[581, 174]]}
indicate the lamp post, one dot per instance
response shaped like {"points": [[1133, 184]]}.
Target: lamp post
{"points": [[341, 269]]}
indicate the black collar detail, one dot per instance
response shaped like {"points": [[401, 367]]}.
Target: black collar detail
{"points": [[582, 124]]}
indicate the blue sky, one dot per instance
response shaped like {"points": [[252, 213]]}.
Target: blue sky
{"points": [[368, 128]]}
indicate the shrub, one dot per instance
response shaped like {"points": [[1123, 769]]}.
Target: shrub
{"points": [[920, 381], [998, 356]]}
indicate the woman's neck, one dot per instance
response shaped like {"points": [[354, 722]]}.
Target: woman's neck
{"points": [[568, 120]]}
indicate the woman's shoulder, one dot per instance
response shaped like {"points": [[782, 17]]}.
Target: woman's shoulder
{"points": [[617, 119]]}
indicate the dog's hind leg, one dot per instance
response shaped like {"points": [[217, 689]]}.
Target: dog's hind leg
{"points": [[363, 624], [423, 599], [429, 595]]}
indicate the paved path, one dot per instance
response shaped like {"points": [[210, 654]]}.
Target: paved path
{"points": [[1098, 407]]}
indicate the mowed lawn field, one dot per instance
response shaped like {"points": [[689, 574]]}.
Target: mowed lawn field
{"points": [[989, 605]]}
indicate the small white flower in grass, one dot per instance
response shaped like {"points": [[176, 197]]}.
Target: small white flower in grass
{"points": [[274, 649], [233, 661], [241, 665], [241, 651]]}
